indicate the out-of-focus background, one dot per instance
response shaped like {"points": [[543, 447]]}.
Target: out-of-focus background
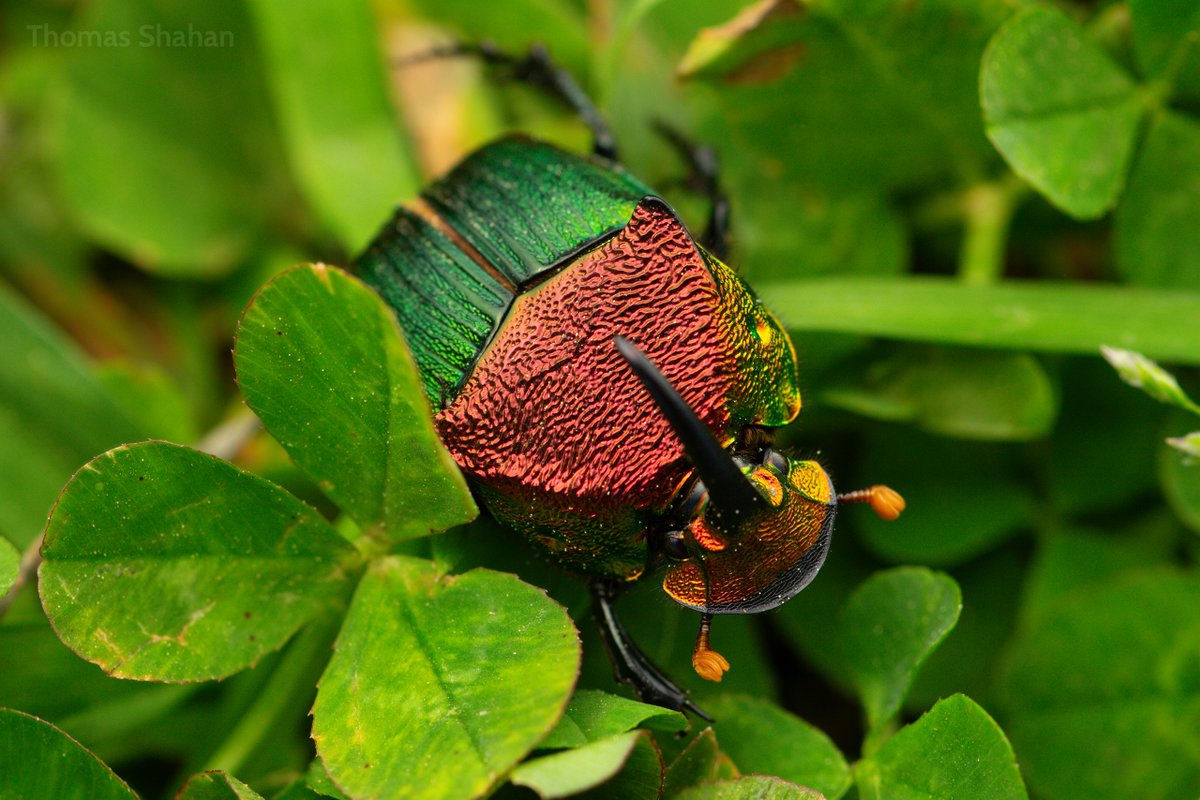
{"points": [[951, 205]]}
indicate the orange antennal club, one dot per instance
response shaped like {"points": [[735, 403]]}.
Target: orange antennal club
{"points": [[885, 501], [708, 663]]}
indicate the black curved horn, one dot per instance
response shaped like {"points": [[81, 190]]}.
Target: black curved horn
{"points": [[730, 492]]}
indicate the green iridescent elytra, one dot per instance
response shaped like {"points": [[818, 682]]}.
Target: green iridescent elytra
{"points": [[523, 207]]}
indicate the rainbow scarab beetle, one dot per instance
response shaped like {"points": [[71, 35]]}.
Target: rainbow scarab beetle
{"points": [[608, 385]]}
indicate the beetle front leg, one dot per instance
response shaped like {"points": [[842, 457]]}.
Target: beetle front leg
{"points": [[630, 664]]}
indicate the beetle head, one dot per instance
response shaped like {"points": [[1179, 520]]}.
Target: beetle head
{"points": [[770, 555], [758, 532]]}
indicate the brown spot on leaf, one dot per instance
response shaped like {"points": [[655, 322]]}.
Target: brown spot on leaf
{"points": [[763, 49], [767, 66]]}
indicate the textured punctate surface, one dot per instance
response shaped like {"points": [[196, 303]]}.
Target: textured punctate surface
{"points": [[775, 556], [562, 435]]}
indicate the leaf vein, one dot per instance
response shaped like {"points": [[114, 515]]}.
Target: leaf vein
{"points": [[429, 653], [1099, 103]]}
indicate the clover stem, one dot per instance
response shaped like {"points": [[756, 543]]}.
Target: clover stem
{"points": [[31, 559], [290, 685], [228, 438], [988, 210]]}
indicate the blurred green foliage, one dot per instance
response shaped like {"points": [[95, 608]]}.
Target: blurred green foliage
{"points": [[952, 205]]}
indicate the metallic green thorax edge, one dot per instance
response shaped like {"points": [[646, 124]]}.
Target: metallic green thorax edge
{"points": [[526, 207]]}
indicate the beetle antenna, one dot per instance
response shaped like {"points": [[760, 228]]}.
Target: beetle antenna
{"points": [[885, 501], [708, 663], [730, 492]]}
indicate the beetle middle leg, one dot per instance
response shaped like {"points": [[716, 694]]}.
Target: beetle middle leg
{"points": [[538, 69], [630, 664], [704, 179]]}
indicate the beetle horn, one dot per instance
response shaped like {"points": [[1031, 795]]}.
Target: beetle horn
{"points": [[729, 491]]}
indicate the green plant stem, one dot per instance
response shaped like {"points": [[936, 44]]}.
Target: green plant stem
{"points": [[31, 559], [372, 542], [867, 780], [1158, 93], [987, 212], [614, 27], [290, 684], [1110, 26], [227, 438], [875, 739]]}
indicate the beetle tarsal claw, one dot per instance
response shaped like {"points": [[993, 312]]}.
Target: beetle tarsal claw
{"points": [[708, 663], [885, 501]]}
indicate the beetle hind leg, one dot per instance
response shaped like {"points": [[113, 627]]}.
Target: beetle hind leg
{"points": [[630, 664], [703, 178]]}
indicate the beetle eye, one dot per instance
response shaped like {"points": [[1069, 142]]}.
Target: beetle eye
{"points": [[675, 546], [775, 461]]}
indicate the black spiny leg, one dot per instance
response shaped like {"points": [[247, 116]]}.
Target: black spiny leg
{"points": [[629, 663], [537, 69], [704, 179]]}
